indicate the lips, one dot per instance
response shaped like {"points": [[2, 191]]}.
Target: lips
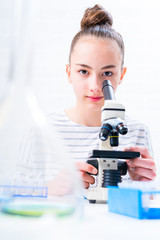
{"points": [[95, 98]]}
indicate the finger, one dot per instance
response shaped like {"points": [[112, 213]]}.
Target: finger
{"points": [[143, 151], [87, 178], [86, 185], [86, 167], [143, 172], [132, 175], [141, 162], [143, 179]]}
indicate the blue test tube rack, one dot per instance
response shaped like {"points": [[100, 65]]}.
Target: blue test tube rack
{"points": [[24, 191]]}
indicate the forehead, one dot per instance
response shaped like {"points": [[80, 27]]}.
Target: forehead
{"points": [[90, 49]]}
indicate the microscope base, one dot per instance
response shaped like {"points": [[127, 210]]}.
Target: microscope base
{"points": [[97, 195]]}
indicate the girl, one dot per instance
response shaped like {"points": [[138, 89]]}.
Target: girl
{"points": [[97, 54]]}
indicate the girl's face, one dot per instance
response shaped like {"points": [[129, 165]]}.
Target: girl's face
{"points": [[94, 60]]}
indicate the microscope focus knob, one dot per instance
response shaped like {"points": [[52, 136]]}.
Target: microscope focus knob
{"points": [[94, 163], [122, 166]]}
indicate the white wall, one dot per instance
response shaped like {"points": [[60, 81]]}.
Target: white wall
{"points": [[57, 22]]}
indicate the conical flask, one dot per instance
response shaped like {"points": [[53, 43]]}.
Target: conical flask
{"points": [[31, 151]]}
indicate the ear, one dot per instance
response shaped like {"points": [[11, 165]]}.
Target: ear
{"points": [[68, 72], [124, 69]]}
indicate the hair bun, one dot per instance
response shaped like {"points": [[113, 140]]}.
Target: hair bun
{"points": [[96, 16]]}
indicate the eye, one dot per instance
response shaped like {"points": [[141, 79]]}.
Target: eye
{"points": [[83, 72], [108, 74]]}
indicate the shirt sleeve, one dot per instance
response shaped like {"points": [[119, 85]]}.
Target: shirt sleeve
{"points": [[148, 142]]}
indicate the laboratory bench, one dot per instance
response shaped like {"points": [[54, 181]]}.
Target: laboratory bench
{"points": [[91, 221]]}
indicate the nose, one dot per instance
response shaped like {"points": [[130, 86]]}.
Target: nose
{"points": [[95, 84]]}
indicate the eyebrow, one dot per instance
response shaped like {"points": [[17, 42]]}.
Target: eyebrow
{"points": [[108, 66], [87, 66], [83, 65]]}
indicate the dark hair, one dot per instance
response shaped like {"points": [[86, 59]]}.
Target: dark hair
{"points": [[98, 22]]}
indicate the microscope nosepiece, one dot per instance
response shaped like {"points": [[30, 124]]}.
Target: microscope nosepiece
{"points": [[103, 135], [122, 129], [114, 138], [104, 132]]}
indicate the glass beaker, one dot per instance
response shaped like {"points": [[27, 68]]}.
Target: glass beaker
{"points": [[31, 151]]}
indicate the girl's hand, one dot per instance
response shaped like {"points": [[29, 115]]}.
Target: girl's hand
{"points": [[60, 185], [142, 168], [84, 169]]}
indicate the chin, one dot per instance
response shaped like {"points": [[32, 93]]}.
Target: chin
{"points": [[95, 107]]}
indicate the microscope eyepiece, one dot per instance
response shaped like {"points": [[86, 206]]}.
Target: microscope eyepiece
{"points": [[108, 90]]}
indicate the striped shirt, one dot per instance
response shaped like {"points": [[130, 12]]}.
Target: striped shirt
{"points": [[79, 140]]}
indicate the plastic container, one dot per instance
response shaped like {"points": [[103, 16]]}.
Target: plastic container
{"points": [[137, 203]]}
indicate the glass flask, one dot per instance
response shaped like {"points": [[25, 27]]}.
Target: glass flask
{"points": [[34, 160]]}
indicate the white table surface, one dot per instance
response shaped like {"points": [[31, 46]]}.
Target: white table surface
{"points": [[95, 223]]}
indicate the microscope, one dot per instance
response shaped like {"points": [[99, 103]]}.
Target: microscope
{"points": [[110, 163]]}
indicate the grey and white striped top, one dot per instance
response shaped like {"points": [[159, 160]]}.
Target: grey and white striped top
{"points": [[80, 141]]}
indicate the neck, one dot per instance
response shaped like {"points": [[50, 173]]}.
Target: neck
{"points": [[84, 116]]}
